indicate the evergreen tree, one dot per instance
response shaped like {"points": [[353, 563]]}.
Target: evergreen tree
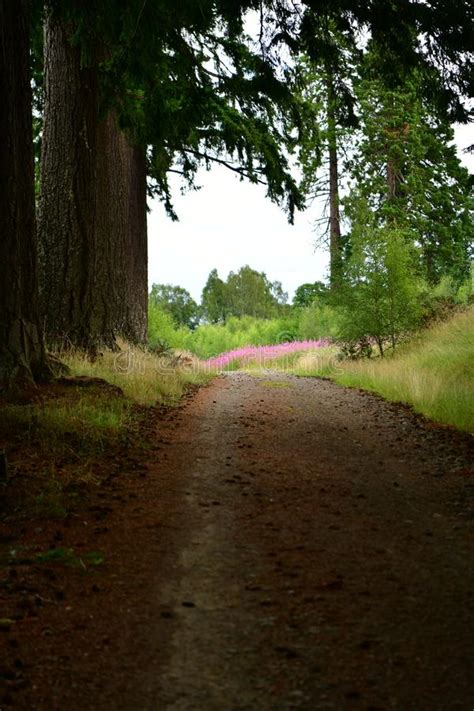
{"points": [[158, 85], [327, 76], [404, 166], [307, 294]]}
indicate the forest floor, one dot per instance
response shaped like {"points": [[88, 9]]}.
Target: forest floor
{"points": [[281, 543]]}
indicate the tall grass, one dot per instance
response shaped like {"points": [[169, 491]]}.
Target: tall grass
{"points": [[144, 377], [434, 372]]}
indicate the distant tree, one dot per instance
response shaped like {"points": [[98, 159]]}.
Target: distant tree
{"points": [[280, 296], [244, 293], [214, 301], [250, 293], [306, 294], [177, 302]]}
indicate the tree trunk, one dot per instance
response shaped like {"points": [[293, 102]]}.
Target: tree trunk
{"points": [[68, 205], [396, 137], [393, 182], [334, 216], [122, 232], [22, 355], [92, 209], [135, 326]]}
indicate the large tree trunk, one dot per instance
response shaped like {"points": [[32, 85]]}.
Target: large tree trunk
{"points": [[22, 355], [334, 215], [122, 232], [67, 209], [92, 209]]}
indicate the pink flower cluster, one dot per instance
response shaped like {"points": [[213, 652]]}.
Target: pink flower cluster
{"points": [[261, 354]]}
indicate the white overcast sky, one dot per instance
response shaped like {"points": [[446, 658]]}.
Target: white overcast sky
{"points": [[228, 224]]}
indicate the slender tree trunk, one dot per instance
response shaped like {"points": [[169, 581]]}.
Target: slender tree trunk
{"points": [[393, 182], [396, 137], [334, 215], [22, 355], [92, 209], [136, 320]]}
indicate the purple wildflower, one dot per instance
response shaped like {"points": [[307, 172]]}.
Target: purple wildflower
{"points": [[261, 354]]}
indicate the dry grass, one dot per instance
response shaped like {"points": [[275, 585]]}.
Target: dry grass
{"points": [[144, 377]]}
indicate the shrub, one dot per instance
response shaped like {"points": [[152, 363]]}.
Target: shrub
{"points": [[382, 297]]}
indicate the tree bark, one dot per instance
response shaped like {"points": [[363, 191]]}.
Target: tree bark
{"points": [[121, 232], [22, 356], [68, 205], [135, 327], [334, 215], [92, 209]]}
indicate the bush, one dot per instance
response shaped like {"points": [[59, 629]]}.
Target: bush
{"points": [[211, 339], [319, 321], [163, 331], [382, 298]]}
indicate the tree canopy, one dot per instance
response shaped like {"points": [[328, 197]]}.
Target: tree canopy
{"points": [[246, 292]]}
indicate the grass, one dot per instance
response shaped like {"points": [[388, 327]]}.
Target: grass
{"points": [[61, 438], [434, 373], [84, 419], [67, 556], [144, 377], [55, 424]]}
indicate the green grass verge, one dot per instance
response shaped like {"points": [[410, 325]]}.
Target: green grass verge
{"points": [[434, 372]]}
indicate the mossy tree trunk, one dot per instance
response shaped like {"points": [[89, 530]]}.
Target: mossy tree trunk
{"points": [[22, 356]]}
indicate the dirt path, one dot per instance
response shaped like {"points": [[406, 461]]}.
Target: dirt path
{"points": [[294, 545]]}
